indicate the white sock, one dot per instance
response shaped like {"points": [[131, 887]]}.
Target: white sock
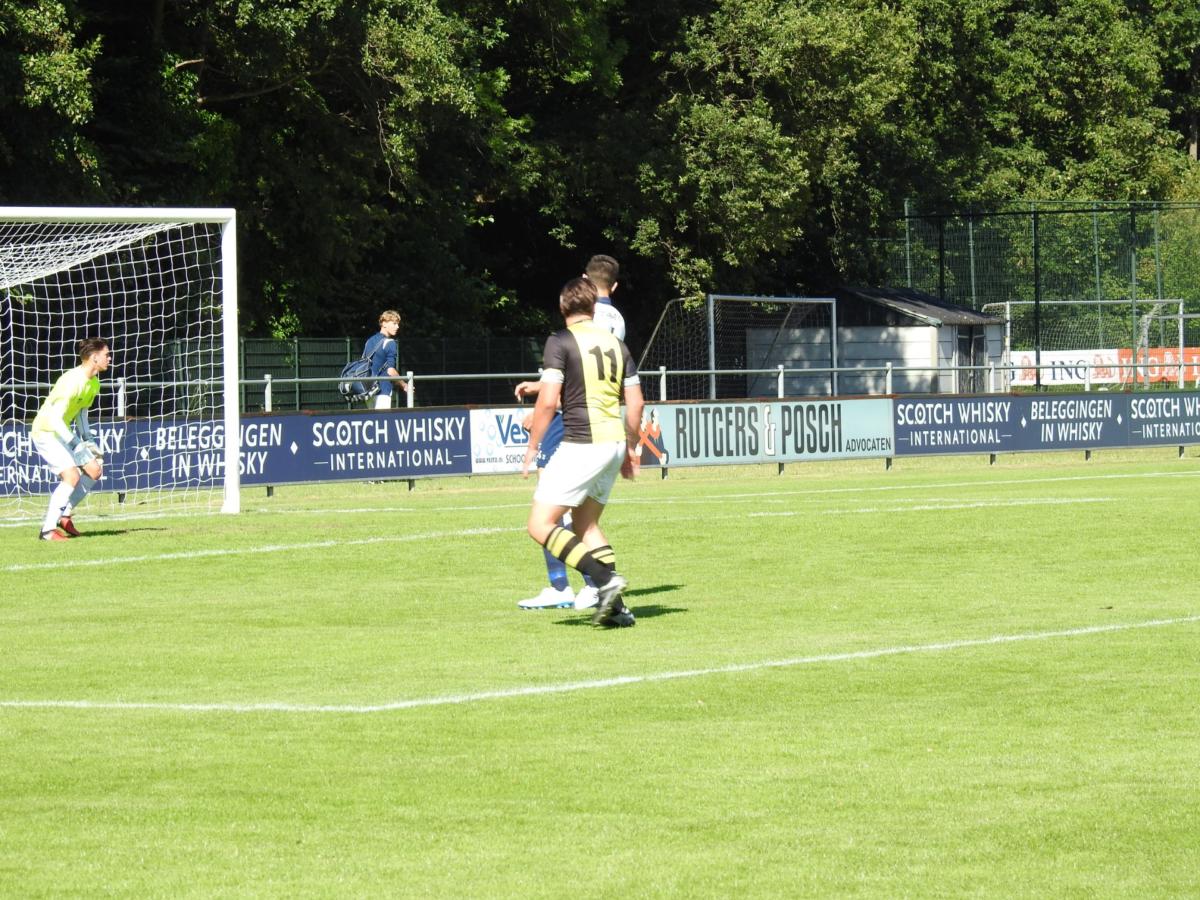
{"points": [[58, 502], [86, 483]]}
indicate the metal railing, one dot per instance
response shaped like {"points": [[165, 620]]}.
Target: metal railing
{"points": [[998, 378]]}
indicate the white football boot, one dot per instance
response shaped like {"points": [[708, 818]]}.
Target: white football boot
{"points": [[550, 598], [587, 597]]}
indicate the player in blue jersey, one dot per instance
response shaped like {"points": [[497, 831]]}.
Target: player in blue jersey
{"points": [[63, 437], [588, 372], [602, 271], [381, 350]]}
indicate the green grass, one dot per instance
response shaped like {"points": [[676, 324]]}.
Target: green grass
{"points": [[1060, 763]]}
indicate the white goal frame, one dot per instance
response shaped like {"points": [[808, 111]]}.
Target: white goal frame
{"points": [[227, 220], [1084, 306], [710, 338], [710, 301]]}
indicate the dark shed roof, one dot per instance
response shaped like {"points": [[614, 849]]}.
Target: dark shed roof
{"points": [[924, 307]]}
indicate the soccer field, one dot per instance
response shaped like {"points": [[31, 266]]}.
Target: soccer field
{"points": [[946, 679]]}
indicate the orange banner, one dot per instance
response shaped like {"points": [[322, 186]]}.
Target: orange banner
{"points": [[1161, 364], [1107, 366]]}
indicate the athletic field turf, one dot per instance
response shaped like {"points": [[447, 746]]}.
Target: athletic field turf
{"points": [[948, 679]]}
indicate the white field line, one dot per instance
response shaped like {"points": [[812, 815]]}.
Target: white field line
{"points": [[26, 521], [756, 496], [573, 686], [250, 550], [473, 532], [744, 497], [938, 507]]}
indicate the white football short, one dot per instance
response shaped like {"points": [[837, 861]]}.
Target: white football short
{"points": [[57, 455], [578, 471]]}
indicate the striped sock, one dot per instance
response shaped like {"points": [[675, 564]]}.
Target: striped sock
{"points": [[606, 557], [564, 545]]}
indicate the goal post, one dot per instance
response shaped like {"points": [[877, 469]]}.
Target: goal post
{"points": [[161, 286], [723, 347]]}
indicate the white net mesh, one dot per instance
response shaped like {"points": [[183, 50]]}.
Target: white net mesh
{"points": [[1102, 333], [153, 290], [1071, 324], [747, 333]]}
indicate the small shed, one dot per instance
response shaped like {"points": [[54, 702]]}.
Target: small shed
{"points": [[926, 338], [879, 325]]}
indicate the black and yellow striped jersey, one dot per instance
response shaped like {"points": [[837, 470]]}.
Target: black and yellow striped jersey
{"points": [[593, 367]]}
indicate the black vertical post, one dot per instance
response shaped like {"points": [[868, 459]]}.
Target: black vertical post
{"points": [[487, 359], [1037, 302], [942, 258], [296, 367], [1133, 292]]}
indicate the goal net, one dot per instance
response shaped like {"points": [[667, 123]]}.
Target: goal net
{"points": [[160, 287], [727, 347], [1107, 335], [1169, 347]]}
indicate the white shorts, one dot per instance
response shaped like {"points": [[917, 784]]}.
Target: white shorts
{"points": [[578, 471], [57, 455]]}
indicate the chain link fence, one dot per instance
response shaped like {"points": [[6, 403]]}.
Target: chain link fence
{"points": [[1068, 276], [1049, 251], [325, 357]]}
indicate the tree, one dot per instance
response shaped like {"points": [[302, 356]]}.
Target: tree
{"points": [[461, 158], [1174, 26], [772, 110], [46, 98]]}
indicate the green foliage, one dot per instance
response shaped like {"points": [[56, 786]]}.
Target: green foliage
{"points": [[770, 105], [450, 156], [1175, 27], [46, 95]]}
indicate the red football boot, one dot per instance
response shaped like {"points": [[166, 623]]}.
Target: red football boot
{"points": [[68, 526]]}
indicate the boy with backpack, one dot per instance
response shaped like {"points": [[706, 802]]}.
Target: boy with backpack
{"points": [[380, 357]]}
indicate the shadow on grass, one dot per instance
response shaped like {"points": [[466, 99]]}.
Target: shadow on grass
{"points": [[654, 611], [640, 612], [111, 532], [656, 589]]}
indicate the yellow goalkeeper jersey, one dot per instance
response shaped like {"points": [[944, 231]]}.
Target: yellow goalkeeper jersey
{"points": [[74, 391]]}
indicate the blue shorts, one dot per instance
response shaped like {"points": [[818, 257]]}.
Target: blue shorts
{"points": [[550, 440]]}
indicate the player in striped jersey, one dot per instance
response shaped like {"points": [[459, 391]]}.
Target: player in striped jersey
{"points": [[603, 271], [587, 369]]}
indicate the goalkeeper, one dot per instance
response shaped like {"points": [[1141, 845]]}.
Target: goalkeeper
{"points": [[72, 453]]}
